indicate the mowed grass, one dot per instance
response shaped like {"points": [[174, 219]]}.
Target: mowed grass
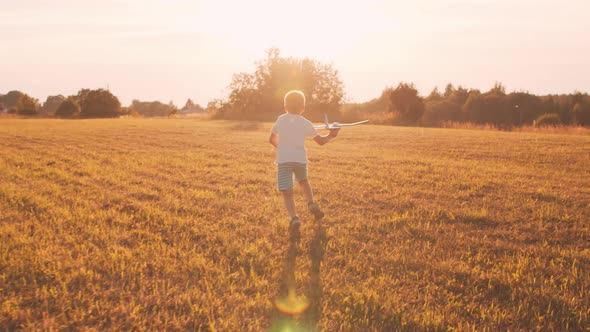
{"points": [[177, 225]]}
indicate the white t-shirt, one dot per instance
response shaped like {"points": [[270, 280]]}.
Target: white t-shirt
{"points": [[292, 130]]}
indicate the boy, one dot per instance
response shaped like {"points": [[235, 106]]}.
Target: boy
{"points": [[288, 136]]}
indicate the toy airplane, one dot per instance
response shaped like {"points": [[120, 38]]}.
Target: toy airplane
{"points": [[335, 125]]}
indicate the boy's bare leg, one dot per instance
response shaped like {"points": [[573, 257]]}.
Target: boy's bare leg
{"points": [[289, 202], [313, 207], [306, 187]]}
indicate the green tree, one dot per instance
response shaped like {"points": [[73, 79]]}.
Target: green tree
{"points": [[259, 95], [489, 107], [498, 89], [548, 119], [407, 104], [576, 111], [434, 95], [583, 116], [68, 109], [449, 89], [27, 105], [437, 111], [191, 107], [98, 104], [11, 98], [151, 108], [52, 103], [525, 106], [188, 105], [173, 110]]}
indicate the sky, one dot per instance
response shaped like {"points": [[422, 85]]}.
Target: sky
{"points": [[172, 50]]}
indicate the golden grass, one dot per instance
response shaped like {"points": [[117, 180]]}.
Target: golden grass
{"points": [[547, 129], [168, 224]]}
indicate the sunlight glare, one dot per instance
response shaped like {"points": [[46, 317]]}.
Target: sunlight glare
{"points": [[302, 28]]}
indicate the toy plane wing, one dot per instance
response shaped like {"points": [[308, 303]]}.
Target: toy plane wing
{"points": [[335, 125]]}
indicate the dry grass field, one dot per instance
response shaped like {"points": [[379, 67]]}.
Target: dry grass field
{"points": [[176, 225]]}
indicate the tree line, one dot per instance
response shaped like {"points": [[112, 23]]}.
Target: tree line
{"points": [[88, 104], [259, 96], [494, 107]]}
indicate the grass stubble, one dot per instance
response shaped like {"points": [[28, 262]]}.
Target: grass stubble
{"points": [[173, 224]]}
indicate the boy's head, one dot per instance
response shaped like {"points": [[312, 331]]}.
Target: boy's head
{"points": [[294, 102]]}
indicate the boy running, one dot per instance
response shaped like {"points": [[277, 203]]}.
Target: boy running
{"points": [[288, 136]]}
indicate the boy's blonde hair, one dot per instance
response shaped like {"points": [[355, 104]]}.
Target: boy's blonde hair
{"points": [[294, 101]]}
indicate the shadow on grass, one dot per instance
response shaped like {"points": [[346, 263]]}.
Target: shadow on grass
{"points": [[295, 312], [317, 249], [476, 221]]}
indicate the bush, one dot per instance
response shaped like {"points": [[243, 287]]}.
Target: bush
{"points": [[52, 103], [548, 119], [11, 98], [406, 103], [27, 105], [438, 111], [98, 104], [68, 109], [151, 108]]}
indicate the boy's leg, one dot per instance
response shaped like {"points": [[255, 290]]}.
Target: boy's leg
{"points": [[285, 183], [289, 202], [294, 224], [306, 187]]}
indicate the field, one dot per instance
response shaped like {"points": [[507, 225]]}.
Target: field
{"points": [[174, 224]]}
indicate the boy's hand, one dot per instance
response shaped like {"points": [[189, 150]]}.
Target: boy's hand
{"points": [[334, 132]]}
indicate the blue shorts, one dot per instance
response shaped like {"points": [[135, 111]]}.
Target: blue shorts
{"points": [[285, 172]]}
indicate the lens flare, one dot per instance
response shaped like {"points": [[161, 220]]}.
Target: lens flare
{"points": [[292, 304]]}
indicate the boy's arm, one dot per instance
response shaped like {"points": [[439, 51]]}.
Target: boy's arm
{"points": [[321, 140], [273, 139]]}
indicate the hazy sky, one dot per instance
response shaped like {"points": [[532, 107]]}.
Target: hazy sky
{"points": [[176, 49]]}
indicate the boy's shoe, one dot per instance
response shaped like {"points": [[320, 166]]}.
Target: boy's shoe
{"points": [[315, 210], [294, 227]]}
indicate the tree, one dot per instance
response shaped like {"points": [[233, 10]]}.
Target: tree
{"points": [[52, 103], [489, 107], [151, 108], [548, 119], [11, 98], [437, 111], [406, 103], [173, 109], [98, 104], [188, 105], [434, 95], [525, 106], [576, 111], [27, 105], [191, 107], [498, 89], [449, 89], [68, 109], [259, 95]]}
